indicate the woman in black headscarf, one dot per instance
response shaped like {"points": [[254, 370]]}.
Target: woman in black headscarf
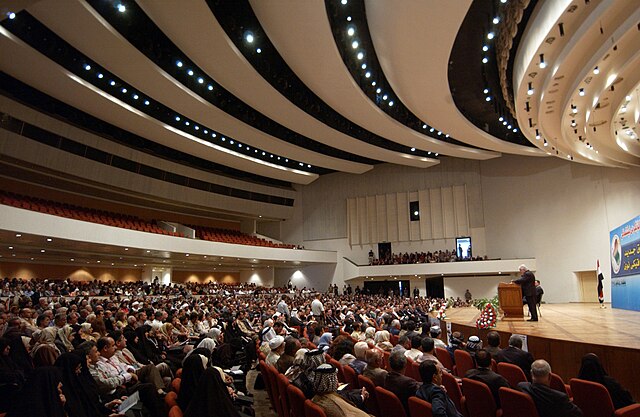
{"points": [[41, 396], [192, 371], [146, 347], [211, 398], [11, 376], [592, 370]]}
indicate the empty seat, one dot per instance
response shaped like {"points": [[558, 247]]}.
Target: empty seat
{"points": [[479, 400], [464, 362], [389, 404], [512, 373], [516, 404], [312, 410], [419, 408], [594, 400]]}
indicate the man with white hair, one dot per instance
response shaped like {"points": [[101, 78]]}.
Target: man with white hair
{"points": [[527, 282], [549, 402]]}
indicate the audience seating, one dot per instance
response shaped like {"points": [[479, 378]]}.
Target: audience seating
{"points": [[415, 371], [594, 400], [371, 402], [175, 385], [464, 362], [454, 391], [235, 237], [516, 404], [282, 382], [341, 376], [389, 404], [558, 384], [312, 410], [445, 358], [512, 373], [419, 408], [175, 412], [350, 377], [171, 400], [385, 360], [296, 400], [179, 373], [479, 400]]}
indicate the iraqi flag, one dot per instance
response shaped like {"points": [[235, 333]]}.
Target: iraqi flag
{"points": [[600, 279]]}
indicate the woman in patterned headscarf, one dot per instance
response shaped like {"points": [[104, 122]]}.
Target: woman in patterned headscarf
{"points": [[325, 386]]}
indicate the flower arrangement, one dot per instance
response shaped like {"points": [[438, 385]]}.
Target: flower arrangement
{"points": [[442, 312], [488, 317]]}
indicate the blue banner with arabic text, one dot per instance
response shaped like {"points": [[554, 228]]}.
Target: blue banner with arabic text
{"points": [[624, 250]]}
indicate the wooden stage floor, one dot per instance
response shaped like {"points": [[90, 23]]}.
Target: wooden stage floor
{"points": [[576, 322]]}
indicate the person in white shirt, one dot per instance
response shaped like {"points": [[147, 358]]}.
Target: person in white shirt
{"points": [[317, 309], [415, 353]]}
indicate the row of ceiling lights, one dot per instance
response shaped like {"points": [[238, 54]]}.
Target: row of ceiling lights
{"points": [[382, 96]]}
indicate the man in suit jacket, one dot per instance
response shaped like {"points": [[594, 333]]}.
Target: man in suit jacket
{"points": [[527, 282], [484, 374], [515, 355], [396, 382], [549, 402]]}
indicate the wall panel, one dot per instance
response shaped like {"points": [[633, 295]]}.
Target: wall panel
{"points": [[461, 210], [392, 218], [381, 218], [437, 227], [425, 215], [402, 205], [372, 221], [448, 216]]}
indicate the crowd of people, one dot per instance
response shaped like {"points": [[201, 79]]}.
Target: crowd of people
{"points": [[420, 258], [80, 349]]}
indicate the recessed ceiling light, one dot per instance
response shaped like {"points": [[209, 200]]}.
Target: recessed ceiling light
{"points": [[126, 248], [12, 15], [485, 60], [490, 35], [351, 31], [10, 247], [496, 20], [596, 70], [121, 8], [87, 67], [49, 239], [42, 250], [354, 44], [18, 235], [72, 259], [259, 50], [249, 37], [485, 48], [360, 55]]}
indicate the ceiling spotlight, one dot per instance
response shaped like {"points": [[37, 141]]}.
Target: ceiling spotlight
{"points": [[121, 8], [146, 102], [487, 98], [373, 83], [351, 31], [367, 74], [384, 97], [11, 15], [574, 109], [179, 64], [503, 1], [542, 63], [364, 66], [391, 103], [87, 67], [135, 97], [504, 123], [486, 91], [248, 37], [259, 50], [537, 134], [500, 118], [581, 92], [485, 48], [573, 123], [209, 87], [485, 60], [530, 90], [437, 154], [42, 251], [509, 127], [100, 76], [343, 2], [413, 149], [627, 98], [18, 235], [354, 44], [490, 35], [49, 239], [496, 20], [190, 72], [546, 143], [112, 83], [596, 70], [348, 18], [424, 126], [515, 130], [360, 55], [378, 90], [432, 130]]}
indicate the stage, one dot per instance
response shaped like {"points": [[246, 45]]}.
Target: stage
{"points": [[576, 322], [566, 332]]}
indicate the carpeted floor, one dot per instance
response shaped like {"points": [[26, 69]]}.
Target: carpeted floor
{"points": [[261, 403]]}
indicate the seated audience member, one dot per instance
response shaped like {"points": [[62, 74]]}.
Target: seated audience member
{"points": [[549, 402], [325, 341], [41, 396], [382, 338], [192, 371], [435, 332], [493, 343], [276, 345], [45, 352], [473, 345], [211, 398], [359, 363], [325, 387], [515, 355], [374, 370], [304, 379], [428, 352], [591, 369], [64, 338], [433, 392], [297, 367], [415, 353], [394, 329], [404, 345], [456, 341], [291, 346], [11, 376], [396, 382], [483, 373]]}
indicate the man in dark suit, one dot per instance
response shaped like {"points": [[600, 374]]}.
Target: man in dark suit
{"points": [[396, 382], [515, 355], [527, 282], [484, 374], [549, 402]]}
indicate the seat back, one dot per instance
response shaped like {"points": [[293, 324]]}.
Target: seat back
{"points": [[282, 382], [464, 362], [296, 400], [340, 369], [393, 339], [592, 398], [445, 358], [558, 384], [389, 404], [266, 378], [516, 404], [371, 402], [415, 371], [175, 385], [350, 377], [512, 373], [419, 408], [171, 400], [312, 410], [454, 391], [275, 390], [175, 411], [480, 402], [408, 369], [385, 360]]}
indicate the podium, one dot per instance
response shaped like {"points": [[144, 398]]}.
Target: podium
{"points": [[510, 297]]}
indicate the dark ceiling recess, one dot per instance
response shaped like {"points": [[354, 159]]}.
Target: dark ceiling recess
{"points": [[238, 20], [348, 25], [471, 80]]}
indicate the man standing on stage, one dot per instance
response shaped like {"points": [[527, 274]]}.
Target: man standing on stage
{"points": [[527, 282]]}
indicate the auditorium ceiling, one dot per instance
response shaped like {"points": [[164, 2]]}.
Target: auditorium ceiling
{"points": [[289, 90]]}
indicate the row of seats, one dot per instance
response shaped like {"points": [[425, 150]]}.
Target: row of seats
{"points": [[83, 214], [471, 398], [235, 237]]}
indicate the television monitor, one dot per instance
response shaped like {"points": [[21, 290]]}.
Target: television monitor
{"points": [[463, 247]]}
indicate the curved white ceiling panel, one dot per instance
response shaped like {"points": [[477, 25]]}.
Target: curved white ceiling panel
{"points": [[34, 69], [413, 42], [187, 20], [86, 30], [313, 55]]}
